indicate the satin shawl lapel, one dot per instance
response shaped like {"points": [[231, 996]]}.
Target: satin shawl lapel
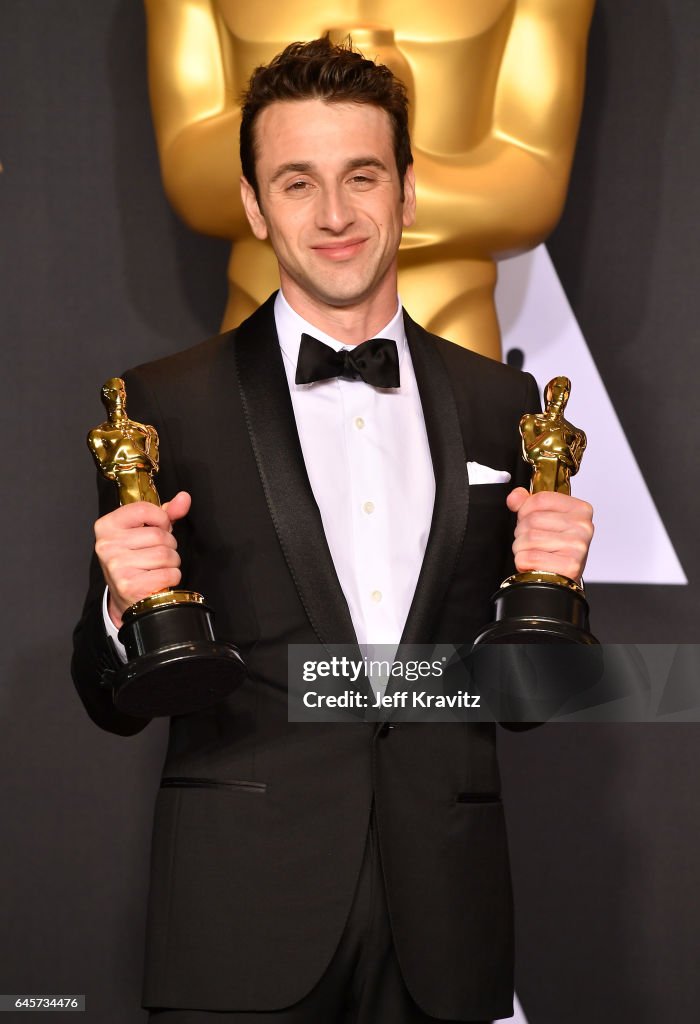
{"points": [[273, 435], [449, 520]]}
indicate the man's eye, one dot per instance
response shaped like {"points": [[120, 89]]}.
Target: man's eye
{"points": [[298, 186]]}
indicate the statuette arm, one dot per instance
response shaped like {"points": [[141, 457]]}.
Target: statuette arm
{"points": [[196, 114]]}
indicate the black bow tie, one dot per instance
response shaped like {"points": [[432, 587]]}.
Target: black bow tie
{"points": [[375, 361]]}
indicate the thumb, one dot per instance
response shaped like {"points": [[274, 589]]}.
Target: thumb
{"points": [[517, 498], [178, 506]]}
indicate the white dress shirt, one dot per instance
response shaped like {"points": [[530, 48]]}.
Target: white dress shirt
{"points": [[368, 461]]}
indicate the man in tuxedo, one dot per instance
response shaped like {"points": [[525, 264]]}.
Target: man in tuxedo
{"points": [[326, 872]]}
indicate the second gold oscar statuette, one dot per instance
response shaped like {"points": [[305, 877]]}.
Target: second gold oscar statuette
{"points": [[539, 606]]}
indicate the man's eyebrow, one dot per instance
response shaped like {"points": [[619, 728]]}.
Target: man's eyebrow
{"points": [[366, 161], [306, 167], [303, 167]]}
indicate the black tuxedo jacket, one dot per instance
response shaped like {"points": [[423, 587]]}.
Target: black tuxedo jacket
{"points": [[260, 825]]}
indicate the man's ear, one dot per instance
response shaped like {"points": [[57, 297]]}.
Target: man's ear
{"points": [[409, 197], [252, 210]]}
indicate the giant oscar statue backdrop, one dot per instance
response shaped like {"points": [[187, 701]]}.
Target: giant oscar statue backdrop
{"points": [[496, 89]]}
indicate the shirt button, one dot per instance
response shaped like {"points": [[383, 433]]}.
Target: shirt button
{"points": [[376, 596], [359, 423], [368, 507]]}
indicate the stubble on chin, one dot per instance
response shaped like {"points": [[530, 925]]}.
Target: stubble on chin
{"points": [[345, 286]]}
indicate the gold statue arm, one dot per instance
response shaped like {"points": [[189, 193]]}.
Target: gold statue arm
{"points": [[196, 115], [508, 191]]}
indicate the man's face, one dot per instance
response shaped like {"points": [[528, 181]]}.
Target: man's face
{"points": [[330, 200]]}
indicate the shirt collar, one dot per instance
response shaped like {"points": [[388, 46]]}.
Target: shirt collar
{"points": [[291, 326]]}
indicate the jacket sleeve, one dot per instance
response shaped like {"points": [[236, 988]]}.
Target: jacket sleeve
{"points": [[94, 659]]}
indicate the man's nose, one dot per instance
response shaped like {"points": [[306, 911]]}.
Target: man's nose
{"points": [[334, 211]]}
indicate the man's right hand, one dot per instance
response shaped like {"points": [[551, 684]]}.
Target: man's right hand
{"points": [[138, 552]]}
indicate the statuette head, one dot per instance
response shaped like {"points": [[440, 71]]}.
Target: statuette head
{"points": [[113, 394]]}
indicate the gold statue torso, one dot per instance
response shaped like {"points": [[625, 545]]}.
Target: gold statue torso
{"points": [[496, 89], [443, 44]]}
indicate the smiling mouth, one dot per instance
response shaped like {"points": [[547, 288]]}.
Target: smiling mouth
{"points": [[340, 250]]}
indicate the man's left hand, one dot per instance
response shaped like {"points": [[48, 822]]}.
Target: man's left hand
{"points": [[553, 532]]}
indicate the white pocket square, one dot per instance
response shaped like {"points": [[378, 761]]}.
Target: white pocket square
{"points": [[479, 474]]}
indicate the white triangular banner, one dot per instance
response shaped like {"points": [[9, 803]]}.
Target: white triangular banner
{"points": [[631, 544]]}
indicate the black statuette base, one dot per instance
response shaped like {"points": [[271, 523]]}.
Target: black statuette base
{"points": [[538, 613], [175, 665]]}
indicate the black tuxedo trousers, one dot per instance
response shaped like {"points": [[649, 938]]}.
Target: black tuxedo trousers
{"points": [[260, 824]]}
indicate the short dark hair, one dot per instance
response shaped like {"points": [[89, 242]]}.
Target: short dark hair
{"points": [[333, 72]]}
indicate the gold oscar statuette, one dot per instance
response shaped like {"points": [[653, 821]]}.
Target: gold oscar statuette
{"points": [[539, 606], [174, 663]]}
